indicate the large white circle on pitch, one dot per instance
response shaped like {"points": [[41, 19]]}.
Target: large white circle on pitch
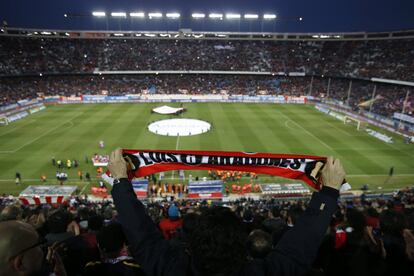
{"points": [[179, 127]]}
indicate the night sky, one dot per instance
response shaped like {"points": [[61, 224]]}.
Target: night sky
{"points": [[318, 15]]}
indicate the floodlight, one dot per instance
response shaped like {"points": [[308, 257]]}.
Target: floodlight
{"points": [[251, 16], [118, 14], [116, 34], [173, 15], [99, 14], [232, 16], [154, 15], [198, 15], [269, 16], [215, 15], [137, 14]]}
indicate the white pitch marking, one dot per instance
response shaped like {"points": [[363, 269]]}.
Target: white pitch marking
{"points": [[40, 136], [84, 187], [18, 127], [309, 133]]}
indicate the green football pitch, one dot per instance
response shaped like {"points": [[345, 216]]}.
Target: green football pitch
{"points": [[73, 132]]}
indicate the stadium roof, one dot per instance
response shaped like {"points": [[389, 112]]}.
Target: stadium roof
{"points": [[298, 16]]}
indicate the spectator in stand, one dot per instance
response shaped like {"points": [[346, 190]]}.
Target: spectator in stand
{"points": [[274, 222], [95, 223], [21, 251], [11, 212], [294, 213], [115, 259], [393, 225], [363, 251], [57, 225], [218, 247], [259, 244], [170, 225]]}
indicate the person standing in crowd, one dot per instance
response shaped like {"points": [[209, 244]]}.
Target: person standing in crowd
{"points": [[170, 225], [21, 251], [218, 245], [115, 259]]}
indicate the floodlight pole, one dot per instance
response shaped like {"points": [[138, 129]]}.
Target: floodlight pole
{"points": [[329, 87], [403, 108], [349, 92], [372, 98], [310, 87]]}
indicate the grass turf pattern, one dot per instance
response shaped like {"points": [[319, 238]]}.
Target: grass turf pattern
{"points": [[73, 132]]}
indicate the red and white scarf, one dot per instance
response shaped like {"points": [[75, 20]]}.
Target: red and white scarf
{"points": [[302, 167]]}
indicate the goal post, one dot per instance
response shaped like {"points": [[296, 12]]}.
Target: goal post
{"points": [[4, 121], [358, 123]]}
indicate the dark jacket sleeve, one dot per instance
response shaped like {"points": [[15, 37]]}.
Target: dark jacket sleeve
{"points": [[296, 251], [150, 250]]}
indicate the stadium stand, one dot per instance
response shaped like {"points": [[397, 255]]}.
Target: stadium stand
{"points": [[358, 59], [52, 59], [368, 235], [391, 97]]}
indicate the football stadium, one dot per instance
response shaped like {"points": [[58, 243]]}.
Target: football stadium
{"points": [[172, 138]]}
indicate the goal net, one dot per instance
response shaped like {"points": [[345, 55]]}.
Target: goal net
{"points": [[4, 121], [358, 123]]}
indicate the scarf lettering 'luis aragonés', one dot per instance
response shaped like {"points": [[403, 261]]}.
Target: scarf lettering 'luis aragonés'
{"points": [[302, 167]]}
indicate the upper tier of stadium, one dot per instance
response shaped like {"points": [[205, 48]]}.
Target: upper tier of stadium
{"points": [[381, 55]]}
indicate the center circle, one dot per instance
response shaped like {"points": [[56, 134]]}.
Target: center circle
{"points": [[179, 127]]}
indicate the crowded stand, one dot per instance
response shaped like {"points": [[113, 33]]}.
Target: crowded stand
{"points": [[366, 236], [389, 98], [336, 62], [390, 59], [164, 231]]}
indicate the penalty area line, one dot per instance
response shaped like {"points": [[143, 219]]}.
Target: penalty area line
{"points": [[305, 130]]}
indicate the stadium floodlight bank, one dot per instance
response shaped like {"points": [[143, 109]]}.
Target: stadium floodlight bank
{"points": [[137, 14], [98, 14]]}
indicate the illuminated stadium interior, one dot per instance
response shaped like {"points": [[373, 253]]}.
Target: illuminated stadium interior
{"points": [[225, 116]]}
